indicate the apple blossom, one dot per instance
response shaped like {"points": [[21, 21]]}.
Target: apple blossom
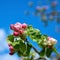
{"points": [[16, 33], [24, 25], [11, 53], [11, 48], [20, 35], [51, 41], [21, 31], [9, 45], [17, 27]]}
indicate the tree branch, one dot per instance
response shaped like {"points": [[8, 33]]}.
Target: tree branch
{"points": [[33, 47]]}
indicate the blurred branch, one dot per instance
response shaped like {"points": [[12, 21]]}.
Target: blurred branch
{"points": [[33, 47]]}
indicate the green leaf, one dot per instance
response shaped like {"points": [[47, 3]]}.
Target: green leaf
{"points": [[42, 53], [29, 46], [48, 51], [23, 37], [10, 38], [36, 36], [15, 44], [19, 53], [30, 26], [21, 48]]}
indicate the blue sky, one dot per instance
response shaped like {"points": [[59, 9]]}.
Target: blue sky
{"points": [[12, 11]]}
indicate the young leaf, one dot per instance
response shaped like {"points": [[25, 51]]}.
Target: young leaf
{"points": [[48, 51], [42, 52], [10, 38], [29, 46]]}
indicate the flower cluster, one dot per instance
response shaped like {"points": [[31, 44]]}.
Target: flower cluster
{"points": [[11, 49], [18, 31], [19, 44], [51, 42], [18, 28]]}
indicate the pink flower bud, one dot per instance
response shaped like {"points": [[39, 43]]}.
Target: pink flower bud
{"points": [[9, 45], [51, 41], [11, 48], [16, 33], [24, 25], [11, 53], [17, 27], [11, 26], [21, 31]]}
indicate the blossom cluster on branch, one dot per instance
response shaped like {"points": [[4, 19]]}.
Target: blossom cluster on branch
{"points": [[18, 41]]}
